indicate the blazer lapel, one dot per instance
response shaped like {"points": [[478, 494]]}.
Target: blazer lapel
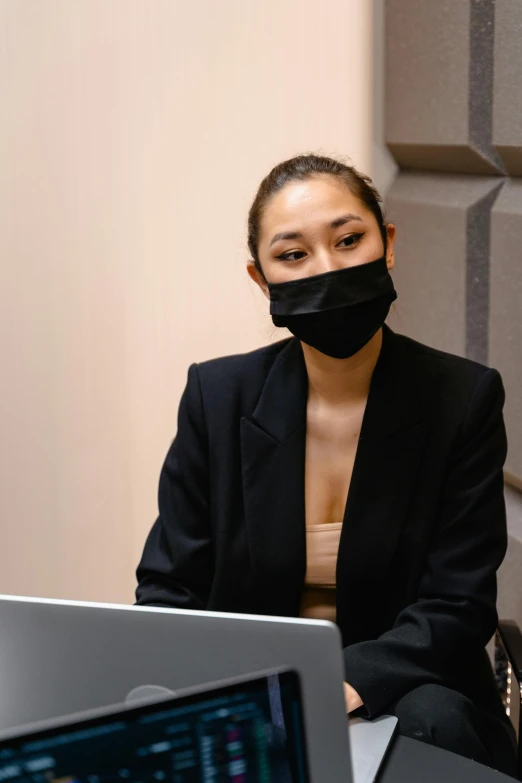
{"points": [[273, 452], [391, 445]]}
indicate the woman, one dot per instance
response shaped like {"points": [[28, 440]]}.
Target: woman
{"points": [[350, 474]]}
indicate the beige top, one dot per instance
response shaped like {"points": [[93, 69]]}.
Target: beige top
{"points": [[322, 546]]}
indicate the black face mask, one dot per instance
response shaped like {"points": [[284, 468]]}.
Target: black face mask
{"points": [[336, 312]]}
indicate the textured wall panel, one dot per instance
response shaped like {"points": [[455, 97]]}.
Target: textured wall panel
{"points": [[442, 271], [507, 102], [505, 328], [439, 85], [453, 104]]}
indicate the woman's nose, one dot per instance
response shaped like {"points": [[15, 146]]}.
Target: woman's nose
{"points": [[326, 262]]}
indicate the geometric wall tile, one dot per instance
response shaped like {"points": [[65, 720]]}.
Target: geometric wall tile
{"points": [[505, 327], [507, 100], [442, 259], [439, 85]]}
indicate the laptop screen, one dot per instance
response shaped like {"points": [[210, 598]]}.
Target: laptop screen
{"points": [[248, 732]]}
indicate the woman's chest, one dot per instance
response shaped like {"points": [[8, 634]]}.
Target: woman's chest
{"points": [[332, 439], [272, 482]]}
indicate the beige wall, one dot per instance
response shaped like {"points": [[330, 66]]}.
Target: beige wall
{"points": [[133, 134]]}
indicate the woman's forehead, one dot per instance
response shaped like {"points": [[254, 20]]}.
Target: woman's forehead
{"points": [[316, 196]]}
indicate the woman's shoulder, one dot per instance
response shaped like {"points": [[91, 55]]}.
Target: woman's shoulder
{"points": [[444, 370], [442, 360], [242, 374]]}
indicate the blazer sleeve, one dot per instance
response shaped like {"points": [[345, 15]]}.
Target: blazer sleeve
{"points": [[176, 569], [455, 611]]}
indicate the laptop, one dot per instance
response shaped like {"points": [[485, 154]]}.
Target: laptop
{"points": [[247, 730], [62, 657]]}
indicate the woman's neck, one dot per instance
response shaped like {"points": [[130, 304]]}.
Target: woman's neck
{"points": [[338, 381]]}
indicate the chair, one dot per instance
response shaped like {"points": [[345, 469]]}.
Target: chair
{"points": [[508, 676]]}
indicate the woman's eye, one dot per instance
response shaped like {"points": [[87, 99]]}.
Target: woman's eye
{"points": [[351, 240], [292, 255]]}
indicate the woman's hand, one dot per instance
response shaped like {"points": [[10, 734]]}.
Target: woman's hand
{"points": [[352, 698]]}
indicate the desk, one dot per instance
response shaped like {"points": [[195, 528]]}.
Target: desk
{"points": [[410, 761]]}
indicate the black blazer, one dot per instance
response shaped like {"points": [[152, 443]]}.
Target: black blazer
{"points": [[424, 528]]}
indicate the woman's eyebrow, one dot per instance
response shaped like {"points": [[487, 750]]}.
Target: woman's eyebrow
{"points": [[285, 235], [340, 221]]}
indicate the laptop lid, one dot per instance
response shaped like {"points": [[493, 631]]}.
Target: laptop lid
{"points": [[248, 731], [63, 657]]}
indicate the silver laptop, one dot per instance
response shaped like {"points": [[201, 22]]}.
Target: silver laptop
{"points": [[62, 657], [250, 729]]}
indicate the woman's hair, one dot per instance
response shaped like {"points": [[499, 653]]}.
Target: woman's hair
{"points": [[303, 167]]}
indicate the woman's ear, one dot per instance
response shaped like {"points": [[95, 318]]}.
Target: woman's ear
{"points": [[257, 277], [390, 246]]}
